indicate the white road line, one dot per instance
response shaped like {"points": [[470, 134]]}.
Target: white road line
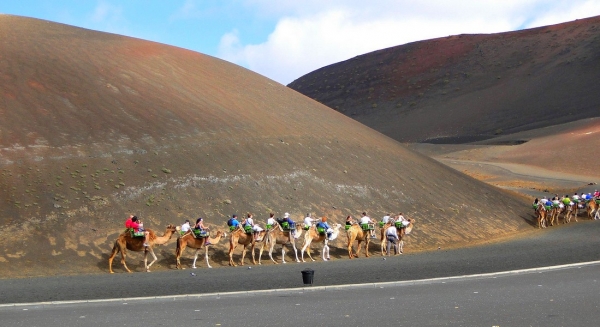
{"points": [[313, 288]]}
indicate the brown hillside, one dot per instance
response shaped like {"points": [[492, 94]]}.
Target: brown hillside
{"points": [[468, 87], [96, 126]]}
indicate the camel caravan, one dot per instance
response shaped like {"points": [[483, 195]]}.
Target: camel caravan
{"points": [[549, 212], [248, 235]]}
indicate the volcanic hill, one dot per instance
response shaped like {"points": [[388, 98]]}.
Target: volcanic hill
{"points": [[96, 126], [466, 88]]}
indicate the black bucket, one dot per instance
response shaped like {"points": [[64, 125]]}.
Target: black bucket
{"points": [[307, 276]]}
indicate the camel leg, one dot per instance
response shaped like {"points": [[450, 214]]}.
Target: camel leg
{"points": [[306, 247], [111, 257], [358, 249], [367, 247], [282, 253], [243, 255], [400, 245], [154, 258], [271, 252], [195, 258], [295, 250], [325, 251], [178, 252], [206, 256], [253, 254], [350, 255], [231, 248], [308, 253]]}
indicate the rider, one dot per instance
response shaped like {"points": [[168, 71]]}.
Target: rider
{"points": [[137, 226], [366, 220], [386, 218], [290, 223], [308, 221], [199, 227], [255, 228], [233, 223], [271, 221], [323, 224], [349, 221], [566, 201], [575, 198], [185, 227]]}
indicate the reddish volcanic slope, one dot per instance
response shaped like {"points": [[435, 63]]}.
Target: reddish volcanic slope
{"points": [[95, 126], [468, 87]]}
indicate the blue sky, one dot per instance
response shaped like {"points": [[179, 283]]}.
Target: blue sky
{"points": [[285, 39]]}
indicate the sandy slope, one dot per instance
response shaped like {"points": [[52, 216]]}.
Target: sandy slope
{"points": [[558, 159]]}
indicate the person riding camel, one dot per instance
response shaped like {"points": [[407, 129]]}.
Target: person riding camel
{"points": [[349, 221], [271, 221], [200, 228], [324, 226], [255, 228], [369, 223], [233, 223], [185, 227], [136, 225], [308, 221]]}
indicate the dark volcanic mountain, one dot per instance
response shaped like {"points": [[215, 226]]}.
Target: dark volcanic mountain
{"points": [[96, 126], [468, 87]]}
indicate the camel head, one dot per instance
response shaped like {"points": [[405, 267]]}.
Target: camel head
{"points": [[172, 229], [299, 231], [410, 226], [336, 231]]}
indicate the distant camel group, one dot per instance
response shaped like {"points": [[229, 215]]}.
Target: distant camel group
{"points": [[265, 240], [548, 212]]}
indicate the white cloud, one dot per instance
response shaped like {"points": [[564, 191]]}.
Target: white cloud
{"points": [[106, 12], [315, 33]]}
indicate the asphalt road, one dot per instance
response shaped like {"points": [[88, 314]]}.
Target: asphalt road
{"points": [[559, 297], [573, 243]]}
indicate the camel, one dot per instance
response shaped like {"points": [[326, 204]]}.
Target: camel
{"points": [[188, 240], [239, 237], [356, 233], [592, 206], [556, 212], [401, 233], [312, 236], [541, 215], [571, 211], [278, 236], [126, 242]]}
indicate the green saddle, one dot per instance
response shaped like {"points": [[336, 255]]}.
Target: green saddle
{"points": [[248, 229], [321, 230], [367, 226], [200, 233], [381, 224], [347, 227], [134, 233]]}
